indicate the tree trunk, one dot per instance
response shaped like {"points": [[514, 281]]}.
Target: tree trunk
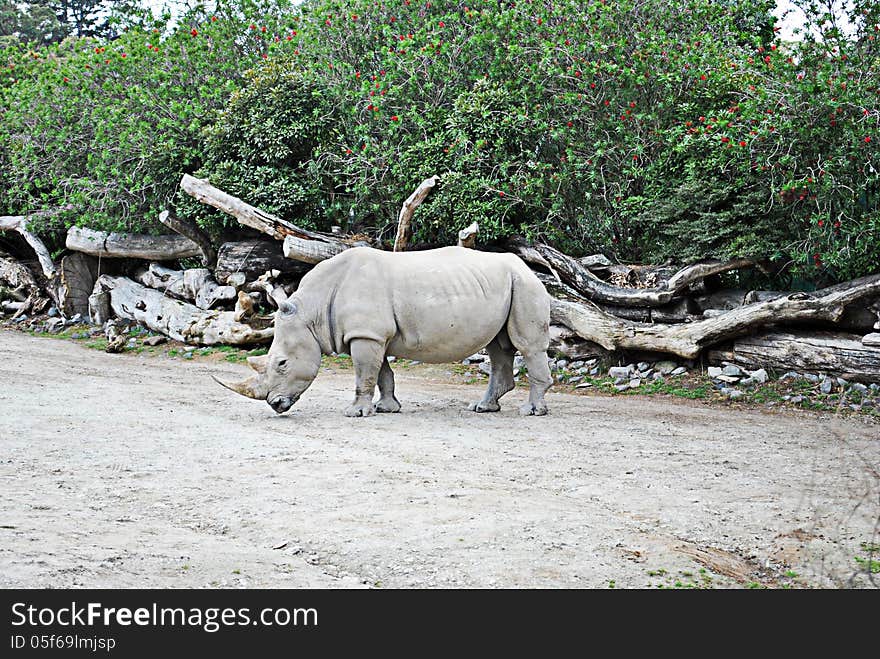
{"points": [[131, 245], [179, 320], [253, 258], [843, 355], [687, 340], [571, 272], [78, 275], [404, 218], [191, 230]]}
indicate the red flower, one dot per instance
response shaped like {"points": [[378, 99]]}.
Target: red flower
{"points": [[194, 32], [441, 24], [867, 139], [501, 193], [821, 223], [253, 27], [569, 124], [703, 77], [395, 118], [263, 29], [742, 143], [213, 19], [725, 139]]}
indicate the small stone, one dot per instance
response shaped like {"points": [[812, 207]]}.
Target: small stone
{"points": [[54, 324], [714, 371], [811, 377], [732, 370], [583, 370], [731, 392], [485, 367], [796, 399], [842, 383], [791, 375], [76, 318], [619, 372], [643, 366], [551, 364], [825, 386], [657, 377], [645, 374], [665, 367], [760, 376], [392, 358], [621, 387], [561, 363], [53, 311], [156, 340], [872, 340], [594, 370], [476, 358], [591, 362], [621, 380], [858, 387], [681, 370], [729, 379], [415, 362], [874, 386], [575, 379], [575, 365], [518, 362], [584, 385], [635, 383]]}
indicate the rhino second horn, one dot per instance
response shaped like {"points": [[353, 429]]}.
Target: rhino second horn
{"points": [[252, 387]]}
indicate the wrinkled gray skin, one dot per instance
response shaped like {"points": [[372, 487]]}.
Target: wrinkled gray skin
{"points": [[435, 306]]}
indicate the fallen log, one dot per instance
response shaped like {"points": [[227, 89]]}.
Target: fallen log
{"points": [[404, 218], [18, 223], [131, 245], [191, 230], [251, 216], [195, 285], [179, 320], [254, 257], [843, 355], [688, 339], [568, 270], [311, 251]]}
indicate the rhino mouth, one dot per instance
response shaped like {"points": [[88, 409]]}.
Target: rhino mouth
{"points": [[282, 403]]}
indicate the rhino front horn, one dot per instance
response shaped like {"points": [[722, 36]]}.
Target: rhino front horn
{"points": [[252, 387]]}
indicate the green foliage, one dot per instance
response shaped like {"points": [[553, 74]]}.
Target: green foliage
{"points": [[643, 129]]}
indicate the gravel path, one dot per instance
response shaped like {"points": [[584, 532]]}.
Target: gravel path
{"points": [[139, 471]]}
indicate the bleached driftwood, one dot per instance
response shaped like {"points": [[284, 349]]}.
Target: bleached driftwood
{"points": [[77, 280], [568, 270], [180, 320], [131, 245], [404, 218], [844, 355], [688, 339], [195, 285], [18, 223], [467, 237]]}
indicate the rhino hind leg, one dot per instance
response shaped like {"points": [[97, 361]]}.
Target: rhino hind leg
{"points": [[367, 356], [500, 378], [387, 401], [540, 380]]}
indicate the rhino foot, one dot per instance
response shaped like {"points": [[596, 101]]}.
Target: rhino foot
{"points": [[480, 406], [358, 409], [533, 410], [390, 406]]}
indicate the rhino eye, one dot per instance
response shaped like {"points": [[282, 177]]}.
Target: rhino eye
{"points": [[282, 362]]}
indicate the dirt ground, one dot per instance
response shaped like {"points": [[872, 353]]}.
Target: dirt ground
{"points": [[139, 471]]}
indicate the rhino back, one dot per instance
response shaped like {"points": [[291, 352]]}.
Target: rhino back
{"points": [[435, 305]]}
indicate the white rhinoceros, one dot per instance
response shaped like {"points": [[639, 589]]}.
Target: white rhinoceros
{"points": [[437, 306]]}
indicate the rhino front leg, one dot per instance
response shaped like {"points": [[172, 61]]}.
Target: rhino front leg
{"points": [[367, 356], [500, 379], [387, 402]]}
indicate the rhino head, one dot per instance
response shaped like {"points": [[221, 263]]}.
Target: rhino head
{"points": [[288, 369]]}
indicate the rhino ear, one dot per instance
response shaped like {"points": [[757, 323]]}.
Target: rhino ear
{"points": [[258, 363], [287, 308]]}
